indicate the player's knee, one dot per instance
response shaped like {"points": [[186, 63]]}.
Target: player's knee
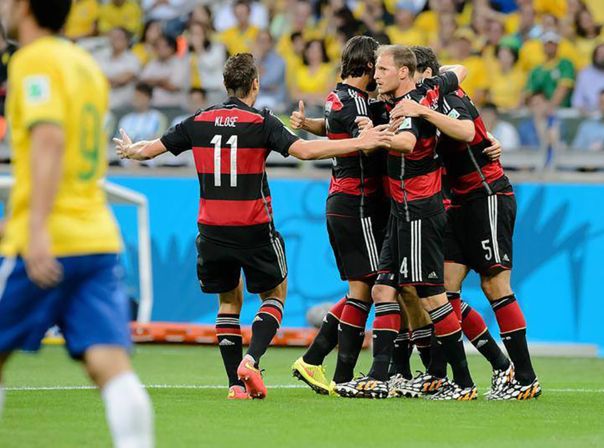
{"points": [[383, 293], [104, 363], [496, 285], [359, 290], [279, 292]]}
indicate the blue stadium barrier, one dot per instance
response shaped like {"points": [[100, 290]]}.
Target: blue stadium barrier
{"points": [[558, 273]]}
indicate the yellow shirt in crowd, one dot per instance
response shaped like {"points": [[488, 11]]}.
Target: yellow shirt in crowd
{"points": [[53, 81], [506, 88], [532, 54], [318, 82], [237, 41], [82, 18], [412, 36], [127, 16]]}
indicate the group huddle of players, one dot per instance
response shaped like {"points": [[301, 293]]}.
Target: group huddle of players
{"points": [[406, 225], [386, 220]]}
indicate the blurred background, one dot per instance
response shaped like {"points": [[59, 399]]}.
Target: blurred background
{"points": [[536, 74]]}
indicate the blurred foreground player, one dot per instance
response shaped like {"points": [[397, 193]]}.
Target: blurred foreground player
{"points": [[230, 143], [59, 254]]}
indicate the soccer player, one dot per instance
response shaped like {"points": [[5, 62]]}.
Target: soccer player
{"points": [[230, 144], [356, 211], [479, 236], [412, 253], [59, 253]]}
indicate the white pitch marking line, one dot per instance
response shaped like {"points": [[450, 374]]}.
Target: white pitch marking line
{"points": [[216, 386]]}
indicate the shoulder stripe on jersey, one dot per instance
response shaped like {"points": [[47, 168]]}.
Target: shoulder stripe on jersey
{"points": [[446, 106], [361, 107]]}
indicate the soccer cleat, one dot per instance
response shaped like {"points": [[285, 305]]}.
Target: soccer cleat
{"points": [[332, 389], [396, 385], [500, 379], [452, 391], [516, 391], [252, 378], [422, 384], [238, 393], [363, 387], [312, 375]]}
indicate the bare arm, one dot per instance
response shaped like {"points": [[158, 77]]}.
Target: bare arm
{"points": [[298, 120], [460, 71], [371, 139], [404, 142], [143, 150]]}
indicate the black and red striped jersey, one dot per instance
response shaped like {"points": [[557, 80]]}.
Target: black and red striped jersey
{"points": [[414, 179], [470, 172], [230, 144], [354, 174]]}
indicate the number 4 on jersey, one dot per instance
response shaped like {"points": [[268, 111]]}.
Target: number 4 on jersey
{"points": [[217, 142]]}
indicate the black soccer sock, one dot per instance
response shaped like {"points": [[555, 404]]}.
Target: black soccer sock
{"points": [[437, 365], [401, 355], [386, 325], [265, 326], [422, 338], [327, 337], [228, 332], [513, 333], [449, 335], [475, 329], [351, 335]]}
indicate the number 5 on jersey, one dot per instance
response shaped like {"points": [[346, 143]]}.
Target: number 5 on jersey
{"points": [[217, 142]]}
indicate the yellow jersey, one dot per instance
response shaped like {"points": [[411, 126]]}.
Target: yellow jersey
{"points": [[128, 16], [53, 81], [82, 18]]}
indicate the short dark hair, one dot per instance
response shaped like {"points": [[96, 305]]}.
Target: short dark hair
{"points": [[239, 73], [144, 88], [426, 58], [489, 106], [170, 40], [245, 3], [324, 55], [193, 90], [358, 55], [50, 14], [403, 56]]}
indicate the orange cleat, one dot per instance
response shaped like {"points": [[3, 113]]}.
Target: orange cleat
{"points": [[238, 393], [252, 378]]}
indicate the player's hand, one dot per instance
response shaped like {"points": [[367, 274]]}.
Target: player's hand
{"points": [[406, 108], [297, 117], [395, 124], [126, 149], [363, 123], [42, 267], [375, 137], [493, 152]]}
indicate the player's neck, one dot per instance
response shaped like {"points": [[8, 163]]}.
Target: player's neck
{"points": [[248, 100], [359, 83], [406, 86], [29, 32]]}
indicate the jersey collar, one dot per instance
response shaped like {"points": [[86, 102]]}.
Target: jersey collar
{"points": [[344, 86]]}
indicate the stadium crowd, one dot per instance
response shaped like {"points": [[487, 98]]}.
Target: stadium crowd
{"points": [[536, 66]]}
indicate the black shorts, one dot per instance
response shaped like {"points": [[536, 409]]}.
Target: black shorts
{"points": [[356, 238], [480, 231], [412, 254], [219, 267]]}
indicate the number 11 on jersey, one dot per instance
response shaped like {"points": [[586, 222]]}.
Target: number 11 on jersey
{"points": [[217, 142]]}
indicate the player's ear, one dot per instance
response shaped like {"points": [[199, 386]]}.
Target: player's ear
{"points": [[256, 85]]}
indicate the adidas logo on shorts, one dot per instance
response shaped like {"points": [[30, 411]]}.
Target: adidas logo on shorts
{"points": [[505, 257], [432, 275]]}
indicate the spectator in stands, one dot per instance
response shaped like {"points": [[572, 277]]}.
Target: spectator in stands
{"points": [[121, 68], [374, 15], [241, 37], [314, 79], [121, 14], [293, 59], [82, 19], [145, 49], [588, 32], [494, 33], [167, 74], [503, 131], [271, 68], [196, 101], [590, 82], [403, 31], [7, 49], [428, 21], [441, 41], [173, 13], [144, 123], [207, 58], [555, 77], [541, 127], [227, 18], [202, 14], [477, 83], [507, 80], [590, 135]]}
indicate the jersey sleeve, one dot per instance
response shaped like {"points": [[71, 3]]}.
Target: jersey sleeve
{"points": [[411, 124], [455, 107], [354, 107], [39, 91], [277, 136], [178, 139], [446, 82]]}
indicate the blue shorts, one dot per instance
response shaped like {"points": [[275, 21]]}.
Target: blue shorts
{"points": [[90, 305]]}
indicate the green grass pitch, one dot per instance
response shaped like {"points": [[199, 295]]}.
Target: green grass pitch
{"points": [[186, 386]]}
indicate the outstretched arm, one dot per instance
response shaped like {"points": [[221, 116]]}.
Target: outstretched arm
{"points": [[298, 120], [143, 150], [460, 71]]}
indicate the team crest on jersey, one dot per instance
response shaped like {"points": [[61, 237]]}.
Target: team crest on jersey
{"points": [[333, 103], [453, 114], [406, 124], [37, 89]]}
